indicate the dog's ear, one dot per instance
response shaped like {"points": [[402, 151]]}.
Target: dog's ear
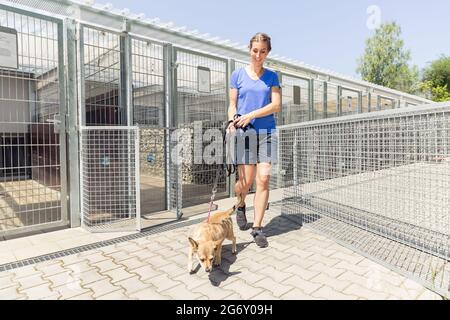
{"points": [[194, 244]]}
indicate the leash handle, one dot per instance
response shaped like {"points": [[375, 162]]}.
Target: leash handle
{"points": [[249, 125]]}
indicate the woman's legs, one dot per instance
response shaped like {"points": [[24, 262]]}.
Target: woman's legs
{"points": [[263, 171], [246, 177]]}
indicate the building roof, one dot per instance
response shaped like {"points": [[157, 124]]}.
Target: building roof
{"points": [[106, 15]]}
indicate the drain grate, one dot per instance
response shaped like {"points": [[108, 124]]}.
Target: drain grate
{"points": [[105, 243], [96, 245]]}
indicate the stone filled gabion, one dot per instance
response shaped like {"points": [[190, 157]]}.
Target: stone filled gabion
{"points": [[200, 174], [152, 153]]}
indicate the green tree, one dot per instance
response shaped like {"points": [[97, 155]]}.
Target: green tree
{"points": [[436, 80], [385, 60], [433, 92]]}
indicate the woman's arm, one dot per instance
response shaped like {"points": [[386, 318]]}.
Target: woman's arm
{"points": [[273, 107], [232, 109]]}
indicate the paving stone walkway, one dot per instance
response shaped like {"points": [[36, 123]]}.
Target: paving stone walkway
{"points": [[298, 264]]}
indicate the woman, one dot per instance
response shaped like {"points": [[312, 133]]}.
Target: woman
{"points": [[254, 98]]}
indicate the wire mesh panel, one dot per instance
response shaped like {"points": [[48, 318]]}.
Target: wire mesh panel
{"points": [[102, 77], [109, 178], [332, 96], [319, 111], [386, 103], [374, 105], [152, 154], [349, 102], [149, 114], [148, 83], [31, 134], [387, 174], [160, 173], [365, 102], [201, 95], [295, 99], [201, 86]]}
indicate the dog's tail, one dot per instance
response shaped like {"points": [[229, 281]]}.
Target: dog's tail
{"points": [[240, 201]]}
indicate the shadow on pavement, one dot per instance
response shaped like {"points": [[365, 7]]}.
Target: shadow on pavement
{"points": [[222, 272], [278, 225], [288, 222]]}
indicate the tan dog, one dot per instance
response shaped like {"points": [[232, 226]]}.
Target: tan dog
{"points": [[206, 242]]}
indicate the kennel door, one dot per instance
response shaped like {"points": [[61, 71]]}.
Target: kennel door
{"points": [[109, 178]]}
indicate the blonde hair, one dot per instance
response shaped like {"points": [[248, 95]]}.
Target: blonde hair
{"points": [[261, 37]]}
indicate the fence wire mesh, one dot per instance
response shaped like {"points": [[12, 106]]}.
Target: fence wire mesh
{"points": [[109, 178], [102, 77], [378, 183], [295, 98], [201, 86], [160, 173], [30, 145], [148, 83]]}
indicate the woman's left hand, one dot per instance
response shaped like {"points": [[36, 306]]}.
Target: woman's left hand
{"points": [[244, 120]]}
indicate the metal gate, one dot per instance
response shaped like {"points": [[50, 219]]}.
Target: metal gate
{"points": [[33, 185], [110, 178], [201, 100], [160, 188]]}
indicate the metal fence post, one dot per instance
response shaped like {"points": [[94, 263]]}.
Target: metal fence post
{"points": [[126, 106], [232, 177], [339, 101], [359, 101], [127, 76], [295, 157], [325, 99], [72, 125], [62, 123], [137, 179], [278, 165], [311, 99], [173, 174], [80, 76]]}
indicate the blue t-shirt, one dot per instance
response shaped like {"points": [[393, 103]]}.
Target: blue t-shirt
{"points": [[255, 94]]}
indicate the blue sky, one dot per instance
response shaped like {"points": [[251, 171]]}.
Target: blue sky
{"points": [[327, 34]]}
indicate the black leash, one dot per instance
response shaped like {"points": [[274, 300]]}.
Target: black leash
{"points": [[229, 167]]}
